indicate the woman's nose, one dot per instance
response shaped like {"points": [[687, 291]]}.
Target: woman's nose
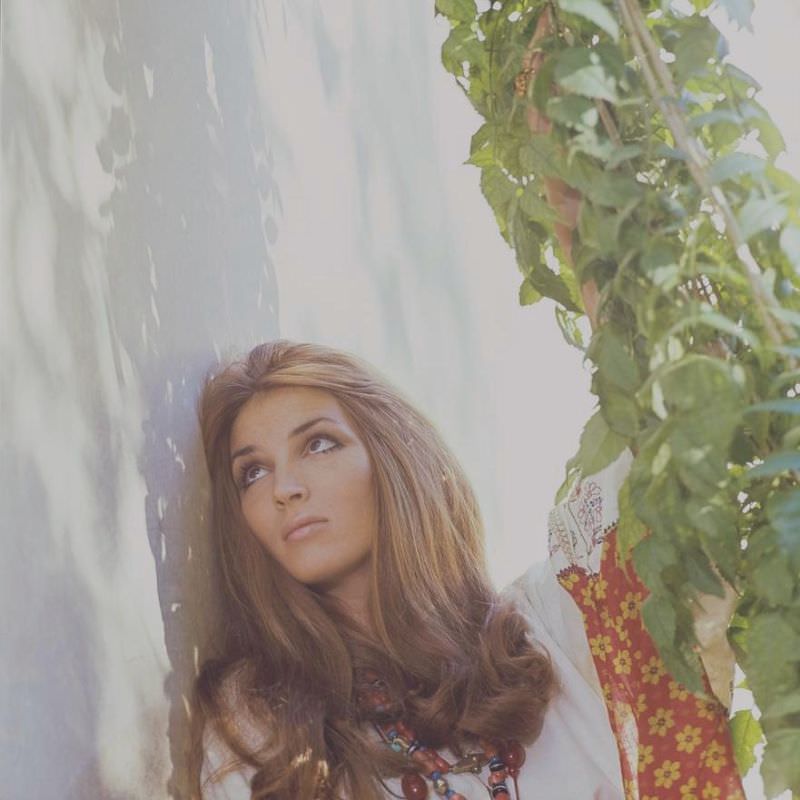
{"points": [[288, 488]]}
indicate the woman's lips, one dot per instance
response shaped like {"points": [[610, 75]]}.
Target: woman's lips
{"points": [[305, 530]]}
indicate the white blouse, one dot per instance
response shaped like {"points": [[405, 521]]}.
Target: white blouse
{"points": [[576, 756]]}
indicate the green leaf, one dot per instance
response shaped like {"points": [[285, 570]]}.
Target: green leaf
{"points": [[790, 244], [786, 405], [527, 294], [499, 192], [735, 164], [624, 153], [772, 578], [461, 10], [746, 734], [535, 206], [775, 464], [774, 645], [614, 189], [739, 11], [781, 767], [630, 529], [599, 445], [783, 511], [714, 319], [610, 352], [595, 12], [582, 71], [696, 42], [700, 573], [574, 110], [461, 45], [659, 616], [760, 213], [652, 559]]}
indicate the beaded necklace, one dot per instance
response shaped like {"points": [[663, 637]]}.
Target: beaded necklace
{"points": [[505, 760]]}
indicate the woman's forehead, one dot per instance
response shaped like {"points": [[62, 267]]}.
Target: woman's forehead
{"points": [[277, 412]]}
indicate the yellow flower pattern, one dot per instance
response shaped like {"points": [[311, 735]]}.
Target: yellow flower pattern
{"points": [[684, 749], [667, 774]]}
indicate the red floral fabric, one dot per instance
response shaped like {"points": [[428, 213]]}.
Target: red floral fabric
{"points": [[671, 743]]}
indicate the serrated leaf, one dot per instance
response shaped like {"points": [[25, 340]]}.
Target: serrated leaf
{"points": [[786, 405], [781, 766], [659, 616], [760, 213], [736, 164], [783, 511], [599, 445], [701, 575], [499, 192], [616, 364], [527, 294], [582, 71], [624, 153], [739, 11], [595, 12], [535, 206], [790, 244], [772, 579], [461, 45], [461, 10], [775, 464], [651, 558], [695, 43], [746, 734], [574, 110], [630, 529]]}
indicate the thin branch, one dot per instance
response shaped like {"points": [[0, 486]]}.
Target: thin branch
{"points": [[659, 82]]}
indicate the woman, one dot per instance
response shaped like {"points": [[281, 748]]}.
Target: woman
{"points": [[366, 654]]}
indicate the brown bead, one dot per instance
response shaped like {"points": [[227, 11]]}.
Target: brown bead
{"points": [[441, 764], [513, 754], [414, 786]]}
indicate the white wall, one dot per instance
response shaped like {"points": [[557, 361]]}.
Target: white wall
{"points": [[181, 181]]}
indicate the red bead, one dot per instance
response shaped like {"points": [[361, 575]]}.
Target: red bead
{"points": [[497, 777], [441, 764], [404, 729], [414, 786], [513, 754], [502, 796]]}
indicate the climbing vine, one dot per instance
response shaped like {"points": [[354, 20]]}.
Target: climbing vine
{"points": [[632, 170]]}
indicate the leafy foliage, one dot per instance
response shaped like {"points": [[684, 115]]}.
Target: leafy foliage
{"points": [[692, 236]]}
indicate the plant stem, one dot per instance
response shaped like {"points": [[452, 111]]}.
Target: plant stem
{"points": [[664, 93]]}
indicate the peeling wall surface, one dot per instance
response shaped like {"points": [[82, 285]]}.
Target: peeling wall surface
{"points": [[181, 181]]}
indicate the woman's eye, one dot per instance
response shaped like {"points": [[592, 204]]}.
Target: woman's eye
{"points": [[323, 438], [249, 474]]}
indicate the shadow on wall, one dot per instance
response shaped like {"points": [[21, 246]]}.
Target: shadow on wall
{"points": [[139, 160]]}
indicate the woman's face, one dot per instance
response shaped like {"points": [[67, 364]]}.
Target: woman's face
{"points": [[289, 464]]}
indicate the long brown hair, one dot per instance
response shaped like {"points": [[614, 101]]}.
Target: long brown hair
{"points": [[454, 654]]}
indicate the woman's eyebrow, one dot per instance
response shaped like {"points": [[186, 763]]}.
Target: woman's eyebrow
{"points": [[243, 451]]}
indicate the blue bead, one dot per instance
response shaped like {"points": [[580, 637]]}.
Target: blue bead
{"points": [[435, 774]]}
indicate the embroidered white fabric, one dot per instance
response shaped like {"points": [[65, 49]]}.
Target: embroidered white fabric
{"points": [[576, 756]]}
